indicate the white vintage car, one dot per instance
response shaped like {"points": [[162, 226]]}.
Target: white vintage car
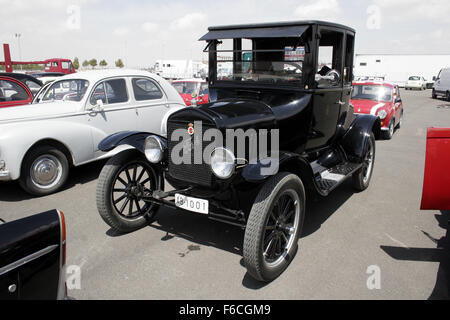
{"points": [[70, 117]]}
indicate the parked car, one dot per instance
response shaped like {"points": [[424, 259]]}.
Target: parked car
{"points": [[416, 82], [31, 82], [33, 258], [381, 99], [39, 144], [192, 90], [322, 142], [442, 85], [436, 191], [13, 93], [46, 77]]}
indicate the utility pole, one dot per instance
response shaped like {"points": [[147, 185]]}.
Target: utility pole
{"points": [[18, 36]]}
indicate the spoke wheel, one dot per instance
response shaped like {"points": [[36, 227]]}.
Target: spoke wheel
{"points": [[280, 228], [122, 184], [273, 227], [361, 178], [130, 185]]}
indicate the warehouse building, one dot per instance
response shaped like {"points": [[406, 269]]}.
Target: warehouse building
{"points": [[398, 68]]}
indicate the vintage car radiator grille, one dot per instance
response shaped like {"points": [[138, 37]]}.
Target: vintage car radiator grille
{"points": [[200, 174]]}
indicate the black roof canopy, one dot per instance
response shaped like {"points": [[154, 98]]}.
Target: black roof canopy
{"points": [[266, 30]]}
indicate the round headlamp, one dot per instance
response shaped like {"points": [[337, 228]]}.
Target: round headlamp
{"points": [[382, 114], [223, 163], [154, 151]]}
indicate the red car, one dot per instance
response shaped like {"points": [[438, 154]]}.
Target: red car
{"points": [[192, 89], [436, 190], [380, 99], [13, 93]]}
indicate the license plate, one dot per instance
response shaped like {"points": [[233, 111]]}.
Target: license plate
{"points": [[192, 204]]}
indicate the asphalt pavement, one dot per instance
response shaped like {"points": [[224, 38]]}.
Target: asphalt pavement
{"points": [[371, 245]]}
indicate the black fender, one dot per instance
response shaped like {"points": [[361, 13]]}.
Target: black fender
{"points": [[136, 139], [355, 140], [288, 162]]}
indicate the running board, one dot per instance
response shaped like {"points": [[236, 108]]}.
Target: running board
{"points": [[329, 179]]}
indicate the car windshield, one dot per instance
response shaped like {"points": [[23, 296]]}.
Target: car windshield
{"points": [[186, 87], [372, 92], [414, 78], [67, 90], [273, 60]]}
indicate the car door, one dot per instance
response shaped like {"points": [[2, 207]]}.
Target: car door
{"points": [[32, 257], [397, 103], [13, 93], [110, 110], [151, 104], [327, 100]]}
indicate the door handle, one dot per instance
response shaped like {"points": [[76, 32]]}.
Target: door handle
{"points": [[12, 288], [340, 103]]}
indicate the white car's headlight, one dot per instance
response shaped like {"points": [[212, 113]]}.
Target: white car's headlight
{"points": [[154, 150], [382, 114], [223, 163]]}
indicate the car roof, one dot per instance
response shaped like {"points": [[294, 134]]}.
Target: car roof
{"points": [[21, 77], [190, 80], [97, 75], [280, 25], [373, 83]]}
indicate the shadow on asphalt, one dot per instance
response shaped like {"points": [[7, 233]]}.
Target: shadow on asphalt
{"points": [[12, 192], [201, 231], [440, 254]]}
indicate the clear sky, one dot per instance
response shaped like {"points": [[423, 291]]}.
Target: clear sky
{"points": [[141, 31]]}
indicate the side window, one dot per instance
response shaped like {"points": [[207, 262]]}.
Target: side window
{"points": [[145, 89], [11, 91], [330, 59], [65, 65], [98, 94], [204, 90], [348, 68]]}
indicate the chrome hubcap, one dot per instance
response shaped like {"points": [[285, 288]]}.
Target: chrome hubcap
{"points": [[46, 171]]}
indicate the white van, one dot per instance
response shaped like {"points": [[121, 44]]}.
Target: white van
{"points": [[442, 85]]}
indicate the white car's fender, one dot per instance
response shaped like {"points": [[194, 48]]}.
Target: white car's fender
{"points": [[18, 138]]}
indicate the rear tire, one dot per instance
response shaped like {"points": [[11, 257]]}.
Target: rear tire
{"points": [[400, 122], [120, 187], [273, 227], [361, 178], [45, 170]]}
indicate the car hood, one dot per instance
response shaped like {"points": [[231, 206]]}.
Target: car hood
{"points": [[37, 111], [368, 106], [243, 113]]}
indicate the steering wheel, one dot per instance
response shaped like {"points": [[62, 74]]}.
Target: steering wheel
{"points": [[333, 73]]}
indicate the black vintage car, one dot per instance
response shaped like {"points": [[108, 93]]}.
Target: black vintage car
{"points": [[290, 80], [33, 257]]}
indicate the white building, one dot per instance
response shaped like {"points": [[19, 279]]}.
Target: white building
{"points": [[180, 69], [398, 68]]}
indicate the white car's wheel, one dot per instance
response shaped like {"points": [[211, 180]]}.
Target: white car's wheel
{"points": [[44, 171]]}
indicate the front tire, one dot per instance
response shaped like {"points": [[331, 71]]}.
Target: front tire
{"points": [[361, 178], [433, 94], [387, 135], [44, 171], [273, 227], [121, 186]]}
